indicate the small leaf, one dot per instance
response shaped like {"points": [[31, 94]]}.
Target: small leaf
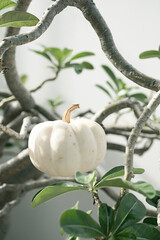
{"points": [[142, 187], [119, 171], [149, 54], [6, 4], [150, 221], [85, 179], [55, 190], [154, 201], [55, 102], [139, 96], [43, 53], [76, 205], [104, 90], [111, 86], [143, 231], [79, 223], [111, 75], [130, 211], [66, 53], [87, 65], [56, 53], [106, 218], [17, 19], [24, 78], [81, 55]]}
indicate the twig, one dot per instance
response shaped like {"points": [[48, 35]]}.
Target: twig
{"points": [[150, 108], [8, 207]]}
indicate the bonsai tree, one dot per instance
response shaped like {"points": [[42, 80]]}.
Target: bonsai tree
{"points": [[128, 218]]}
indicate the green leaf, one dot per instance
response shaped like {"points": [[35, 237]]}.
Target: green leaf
{"points": [[111, 86], [149, 54], [6, 4], [87, 65], [154, 201], [66, 53], [139, 96], [130, 211], [125, 236], [18, 19], [106, 218], [43, 53], [150, 221], [119, 171], [55, 102], [143, 231], [57, 53], [54, 191], [142, 187], [24, 78], [78, 223], [85, 179], [81, 55], [104, 90], [111, 75]]}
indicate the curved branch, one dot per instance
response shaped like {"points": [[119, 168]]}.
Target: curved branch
{"points": [[92, 14], [39, 29]]}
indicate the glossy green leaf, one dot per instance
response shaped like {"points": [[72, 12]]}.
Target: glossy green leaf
{"points": [[139, 96], [119, 171], [130, 211], [106, 217], [142, 187], [78, 223], [111, 75], [81, 55], [6, 4], [143, 231], [55, 190], [154, 201], [17, 19], [150, 221], [149, 54], [125, 236], [85, 179], [104, 90]]}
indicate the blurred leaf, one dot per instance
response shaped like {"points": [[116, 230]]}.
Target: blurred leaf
{"points": [[85, 179], [139, 96], [142, 187], [119, 171], [130, 211], [66, 53], [9, 144], [111, 75], [104, 90], [150, 220], [43, 53], [143, 231], [87, 65], [54, 191], [17, 19], [56, 102], [106, 217], [24, 78], [79, 223], [78, 67], [149, 54], [6, 4], [76, 205], [111, 86], [57, 53], [154, 201], [81, 55]]}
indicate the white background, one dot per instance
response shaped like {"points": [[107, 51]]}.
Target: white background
{"points": [[135, 28]]}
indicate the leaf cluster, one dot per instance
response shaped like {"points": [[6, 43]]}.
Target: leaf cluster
{"points": [[117, 89], [62, 59], [121, 225]]}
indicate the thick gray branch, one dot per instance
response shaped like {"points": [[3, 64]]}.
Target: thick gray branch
{"points": [[92, 14]]}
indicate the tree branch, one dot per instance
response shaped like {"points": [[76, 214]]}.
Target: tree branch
{"points": [[92, 14]]}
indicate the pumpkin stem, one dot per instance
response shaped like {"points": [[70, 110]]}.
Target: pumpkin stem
{"points": [[67, 114]]}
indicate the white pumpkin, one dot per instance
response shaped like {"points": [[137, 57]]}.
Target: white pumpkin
{"points": [[62, 147]]}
